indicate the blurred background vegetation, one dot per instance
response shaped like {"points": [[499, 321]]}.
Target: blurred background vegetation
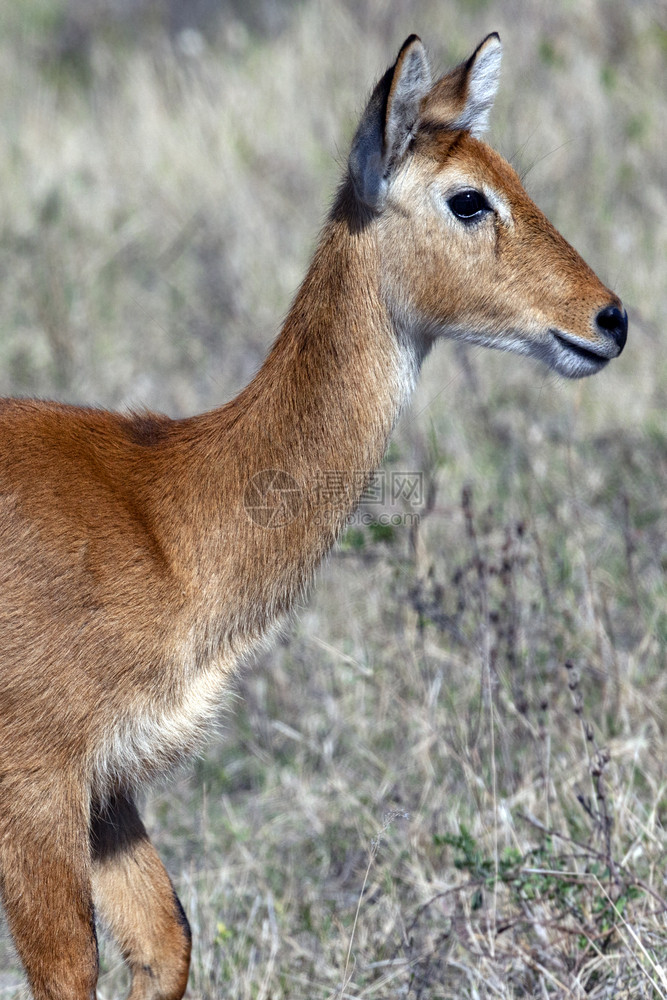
{"points": [[463, 734]]}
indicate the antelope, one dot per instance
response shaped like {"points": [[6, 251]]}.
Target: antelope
{"points": [[144, 558]]}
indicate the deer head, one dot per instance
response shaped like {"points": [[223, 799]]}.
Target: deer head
{"points": [[465, 252]]}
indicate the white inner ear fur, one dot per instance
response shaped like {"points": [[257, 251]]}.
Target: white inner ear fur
{"points": [[403, 109], [380, 141], [483, 80], [412, 85]]}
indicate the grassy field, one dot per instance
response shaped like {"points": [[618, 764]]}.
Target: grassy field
{"points": [[449, 778]]}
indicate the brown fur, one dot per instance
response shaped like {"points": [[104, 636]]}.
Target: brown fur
{"points": [[138, 565]]}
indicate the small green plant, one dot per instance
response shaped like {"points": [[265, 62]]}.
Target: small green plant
{"points": [[546, 885]]}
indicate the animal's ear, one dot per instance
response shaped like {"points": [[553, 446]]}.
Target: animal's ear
{"points": [[463, 98], [388, 123]]}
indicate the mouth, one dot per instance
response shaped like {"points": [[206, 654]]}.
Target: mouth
{"points": [[585, 353], [576, 361]]}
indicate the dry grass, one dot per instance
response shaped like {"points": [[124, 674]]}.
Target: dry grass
{"points": [[449, 779]]}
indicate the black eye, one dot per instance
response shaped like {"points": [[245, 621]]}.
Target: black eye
{"points": [[468, 205]]}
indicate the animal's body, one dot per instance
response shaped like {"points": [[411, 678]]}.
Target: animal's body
{"points": [[141, 557]]}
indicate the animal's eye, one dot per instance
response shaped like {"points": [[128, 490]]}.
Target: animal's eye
{"points": [[468, 205]]}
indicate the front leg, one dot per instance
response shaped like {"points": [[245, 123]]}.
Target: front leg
{"points": [[46, 890], [134, 897]]}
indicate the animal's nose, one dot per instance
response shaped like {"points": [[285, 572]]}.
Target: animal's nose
{"points": [[614, 322]]}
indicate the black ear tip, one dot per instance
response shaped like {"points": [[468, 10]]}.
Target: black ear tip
{"points": [[493, 37], [410, 40]]}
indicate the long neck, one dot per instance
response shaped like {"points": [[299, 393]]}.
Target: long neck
{"points": [[300, 440], [329, 392]]}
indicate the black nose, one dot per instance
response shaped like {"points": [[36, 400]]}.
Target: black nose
{"points": [[615, 323]]}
